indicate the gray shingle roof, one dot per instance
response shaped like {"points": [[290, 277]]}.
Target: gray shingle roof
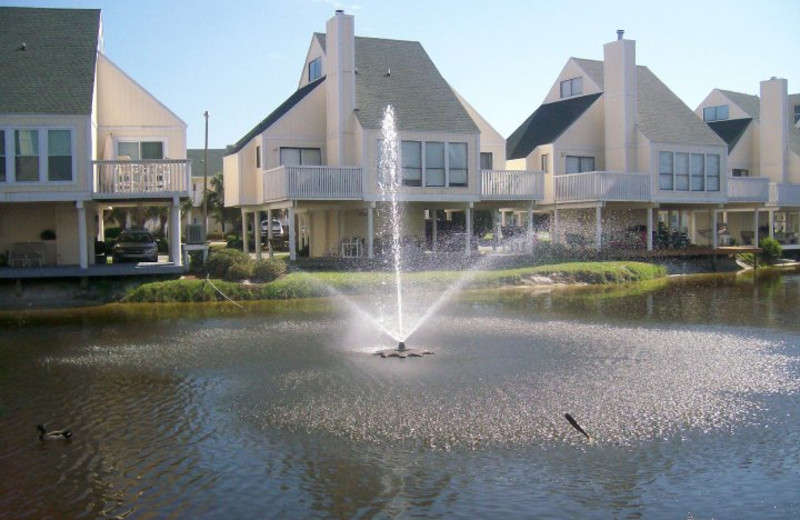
{"points": [[730, 130], [54, 74], [421, 97], [546, 124], [197, 155], [747, 102]]}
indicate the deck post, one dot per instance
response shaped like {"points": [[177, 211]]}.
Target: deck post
{"points": [[244, 232], [755, 228], [649, 229], [83, 240], [175, 232], [529, 242], [257, 233], [598, 231], [714, 234], [435, 230], [270, 249], [292, 243], [468, 222], [554, 228]]}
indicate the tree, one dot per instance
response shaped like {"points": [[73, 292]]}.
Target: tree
{"points": [[216, 204]]}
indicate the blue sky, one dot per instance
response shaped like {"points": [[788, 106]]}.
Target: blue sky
{"points": [[239, 59]]}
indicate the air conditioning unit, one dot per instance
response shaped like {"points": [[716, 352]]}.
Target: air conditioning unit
{"points": [[194, 234]]}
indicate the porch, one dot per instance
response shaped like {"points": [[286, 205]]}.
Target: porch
{"points": [[146, 179]]}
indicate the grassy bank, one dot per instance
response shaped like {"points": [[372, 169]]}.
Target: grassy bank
{"points": [[304, 285]]}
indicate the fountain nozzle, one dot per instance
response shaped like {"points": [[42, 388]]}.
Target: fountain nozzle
{"points": [[401, 346]]}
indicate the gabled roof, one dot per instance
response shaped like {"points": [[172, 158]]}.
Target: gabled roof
{"points": [[197, 156], [400, 73], [47, 60], [276, 114], [546, 124], [731, 130], [749, 103]]}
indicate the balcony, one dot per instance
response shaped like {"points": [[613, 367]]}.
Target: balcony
{"points": [[141, 179], [512, 185], [312, 183], [602, 186], [784, 194], [748, 189]]}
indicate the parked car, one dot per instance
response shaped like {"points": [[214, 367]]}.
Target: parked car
{"points": [[135, 245], [277, 229]]}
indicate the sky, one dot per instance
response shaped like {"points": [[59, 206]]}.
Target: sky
{"points": [[240, 59]]}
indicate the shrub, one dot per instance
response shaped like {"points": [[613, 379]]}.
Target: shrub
{"points": [[771, 250], [268, 270], [239, 271], [219, 261], [216, 235]]}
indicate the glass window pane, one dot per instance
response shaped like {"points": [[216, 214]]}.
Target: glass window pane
{"points": [[573, 164], [311, 157], [722, 112], [152, 150], [712, 172], [545, 162], [128, 151], [665, 162], [458, 177], [26, 164], [59, 168], [457, 155], [587, 164], [682, 171], [577, 86], [665, 181], [486, 161], [411, 159], [2, 156], [434, 155], [290, 156], [26, 142], [709, 114], [27, 168], [59, 142], [434, 177], [565, 89], [698, 172]]}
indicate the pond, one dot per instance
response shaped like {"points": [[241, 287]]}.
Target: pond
{"points": [[688, 387]]}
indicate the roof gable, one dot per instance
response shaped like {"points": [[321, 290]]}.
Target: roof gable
{"points": [[749, 103], [276, 114], [47, 60], [401, 74], [730, 130], [546, 124]]}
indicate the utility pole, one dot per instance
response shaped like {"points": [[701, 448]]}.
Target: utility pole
{"points": [[205, 183]]}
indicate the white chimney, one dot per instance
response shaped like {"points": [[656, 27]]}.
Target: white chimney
{"points": [[619, 101], [774, 129], [340, 85]]}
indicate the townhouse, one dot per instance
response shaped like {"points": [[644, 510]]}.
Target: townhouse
{"points": [[78, 136]]}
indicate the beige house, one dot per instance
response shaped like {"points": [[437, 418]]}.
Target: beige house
{"points": [[621, 153], [763, 137], [78, 136], [316, 156]]}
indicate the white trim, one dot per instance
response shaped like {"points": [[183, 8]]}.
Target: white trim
{"points": [[115, 139], [43, 155]]}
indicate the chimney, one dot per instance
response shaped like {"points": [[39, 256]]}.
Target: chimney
{"points": [[619, 101], [774, 129], [340, 85]]}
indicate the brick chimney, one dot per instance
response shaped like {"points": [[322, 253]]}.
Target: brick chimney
{"points": [[340, 85], [774, 129], [619, 101]]}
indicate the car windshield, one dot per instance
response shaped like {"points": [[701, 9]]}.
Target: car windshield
{"points": [[135, 237]]}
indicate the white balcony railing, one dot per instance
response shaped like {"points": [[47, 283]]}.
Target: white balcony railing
{"points": [[607, 186], [312, 182], [135, 178], [748, 189], [512, 185], [784, 194]]}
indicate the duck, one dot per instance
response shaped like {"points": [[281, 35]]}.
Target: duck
{"points": [[55, 435]]}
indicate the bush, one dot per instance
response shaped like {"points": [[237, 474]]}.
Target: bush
{"points": [[268, 270], [239, 271], [216, 235], [219, 261], [771, 250]]}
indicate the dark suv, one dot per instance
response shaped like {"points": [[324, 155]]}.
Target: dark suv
{"points": [[135, 245]]}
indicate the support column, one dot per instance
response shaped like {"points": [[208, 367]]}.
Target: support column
{"points": [[101, 224], [693, 226], [371, 230], [496, 228], [554, 228], [270, 235], [83, 236], [755, 228], [771, 223], [529, 242], [257, 233], [650, 229], [175, 232], [714, 234], [292, 242], [468, 222], [245, 247], [598, 230], [435, 231]]}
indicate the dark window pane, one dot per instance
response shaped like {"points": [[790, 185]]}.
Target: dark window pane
{"points": [[59, 168], [27, 168], [152, 150]]}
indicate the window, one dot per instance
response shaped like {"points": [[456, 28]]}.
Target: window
{"points": [[258, 156], [486, 161], [434, 164], [718, 113], [301, 157], [796, 114], [457, 164], [545, 162], [59, 155], [741, 173], [2, 156], [665, 171], [140, 150], [576, 164], [679, 171], [26, 155], [572, 87], [411, 161], [314, 69]]}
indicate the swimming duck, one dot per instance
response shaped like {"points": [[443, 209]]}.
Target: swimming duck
{"points": [[55, 435]]}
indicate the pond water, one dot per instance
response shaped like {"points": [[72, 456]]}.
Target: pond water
{"points": [[688, 387]]}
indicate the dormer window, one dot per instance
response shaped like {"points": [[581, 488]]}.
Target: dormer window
{"points": [[717, 113], [314, 69], [572, 87]]}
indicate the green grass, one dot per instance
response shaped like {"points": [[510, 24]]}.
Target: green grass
{"points": [[306, 285]]}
